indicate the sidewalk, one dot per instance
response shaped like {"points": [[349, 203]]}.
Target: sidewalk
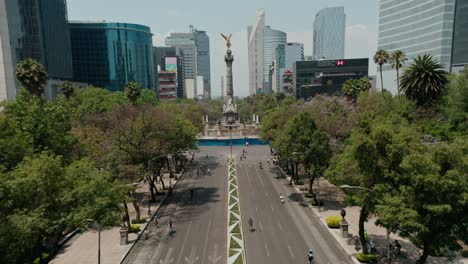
{"points": [[333, 199], [82, 249]]}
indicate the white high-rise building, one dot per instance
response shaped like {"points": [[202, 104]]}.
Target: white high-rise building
{"points": [[329, 34], [262, 45], [255, 46], [186, 43], [416, 27]]}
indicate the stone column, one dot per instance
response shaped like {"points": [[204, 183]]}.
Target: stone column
{"points": [[229, 58]]}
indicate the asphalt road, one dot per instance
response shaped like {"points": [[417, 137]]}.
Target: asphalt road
{"points": [[200, 225], [284, 232]]}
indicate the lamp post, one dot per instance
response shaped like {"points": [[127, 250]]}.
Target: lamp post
{"points": [[346, 186], [149, 197], [99, 237]]}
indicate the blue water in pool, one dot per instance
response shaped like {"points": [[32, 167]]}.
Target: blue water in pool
{"points": [[225, 142]]}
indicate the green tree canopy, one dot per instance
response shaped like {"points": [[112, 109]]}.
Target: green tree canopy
{"points": [[32, 76], [132, 92], [353, 87]]}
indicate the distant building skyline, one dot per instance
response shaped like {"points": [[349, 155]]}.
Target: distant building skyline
{"points": [[271, 40], [329, 34], [255, 53], [202, 43], [460, 36], [286, 56]]}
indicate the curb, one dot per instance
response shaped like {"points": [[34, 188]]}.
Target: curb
{"points": [[151, 218]]}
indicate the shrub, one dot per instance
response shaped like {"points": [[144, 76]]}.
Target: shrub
{"points": [[310, 195], [366, 258], [333, 221], [304, 188], [134, 229]]}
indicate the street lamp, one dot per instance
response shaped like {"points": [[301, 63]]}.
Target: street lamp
{"points": [[149, 196], [99, 237], [346, 186]]}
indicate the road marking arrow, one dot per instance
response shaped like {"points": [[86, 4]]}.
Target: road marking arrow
{"points": [[168, 258], [215, 258], [192, 258]]}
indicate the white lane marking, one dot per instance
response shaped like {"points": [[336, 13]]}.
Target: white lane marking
{"points": [[260, 224], [185, 240], [268, 252], [272, 209], [260, 178], [280, 226], [290, 251], [206, 240], [256, 209]]}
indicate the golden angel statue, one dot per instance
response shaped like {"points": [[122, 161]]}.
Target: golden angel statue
{"points": [[228, 40]]}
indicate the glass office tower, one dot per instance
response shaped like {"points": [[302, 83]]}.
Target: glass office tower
{"points": [[329, 33], [109, 55], [34, 29], [202, 42], [460, 36], [416, 27], [271, 40]]}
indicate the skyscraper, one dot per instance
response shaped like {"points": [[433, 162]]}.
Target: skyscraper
{"points": [[416, 27], [262, 45], [271, 40], [329, 33], [109, 55], [255, 47], [202, 42], [163, 60], [34, 29], [460, 36]]}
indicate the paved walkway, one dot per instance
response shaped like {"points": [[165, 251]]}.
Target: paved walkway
{"points": [[82, 248]]}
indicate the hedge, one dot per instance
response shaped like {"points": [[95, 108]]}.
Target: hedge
{"points": [[366, 258]]}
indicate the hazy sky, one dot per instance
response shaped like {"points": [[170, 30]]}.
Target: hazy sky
{"points": [[295, 17]]}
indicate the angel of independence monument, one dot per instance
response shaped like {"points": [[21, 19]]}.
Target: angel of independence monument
{"points": [[230, 123]]}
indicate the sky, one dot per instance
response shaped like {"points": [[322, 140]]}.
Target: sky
{"points": [[295, 17]]}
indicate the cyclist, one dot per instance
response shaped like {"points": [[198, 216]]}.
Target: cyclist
{"points": [[310, 256], [260, 163], [250, 223], [171, 226]]}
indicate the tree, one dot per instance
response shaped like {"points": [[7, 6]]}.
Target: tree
{"points": [[67, 89], [456, 102], [397, 60], [431, 198], [424, 80], [32, 76], [380, 58], [42, 199], [353, 87], [132, 91]]}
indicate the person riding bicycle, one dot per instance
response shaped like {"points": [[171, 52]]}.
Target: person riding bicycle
{"points": [[250, 223], [260, 163], [310, 255]]}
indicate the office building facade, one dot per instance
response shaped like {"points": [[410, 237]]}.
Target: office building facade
{"points": [[162, 61], [286, 56], [167, 88], [329, 34], [186, 43], [202, 43], [38, 30], [416, 27], [460, 36], [109, 55], [326, 76], [255, 52], [271, 40]]}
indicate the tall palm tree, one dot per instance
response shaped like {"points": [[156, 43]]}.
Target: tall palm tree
{"points": [[381, 57], [424, 80], [32, 76], [397, 59], [132, 91], [67, 89]]}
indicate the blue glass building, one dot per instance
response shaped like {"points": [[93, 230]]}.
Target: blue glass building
{"points": [[109, 55]]}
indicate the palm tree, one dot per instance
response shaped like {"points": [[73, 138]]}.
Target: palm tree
{"points": [[424, 80], [132, 91], [381, 57], [397, 59], [32, 76], [67, 89]]}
